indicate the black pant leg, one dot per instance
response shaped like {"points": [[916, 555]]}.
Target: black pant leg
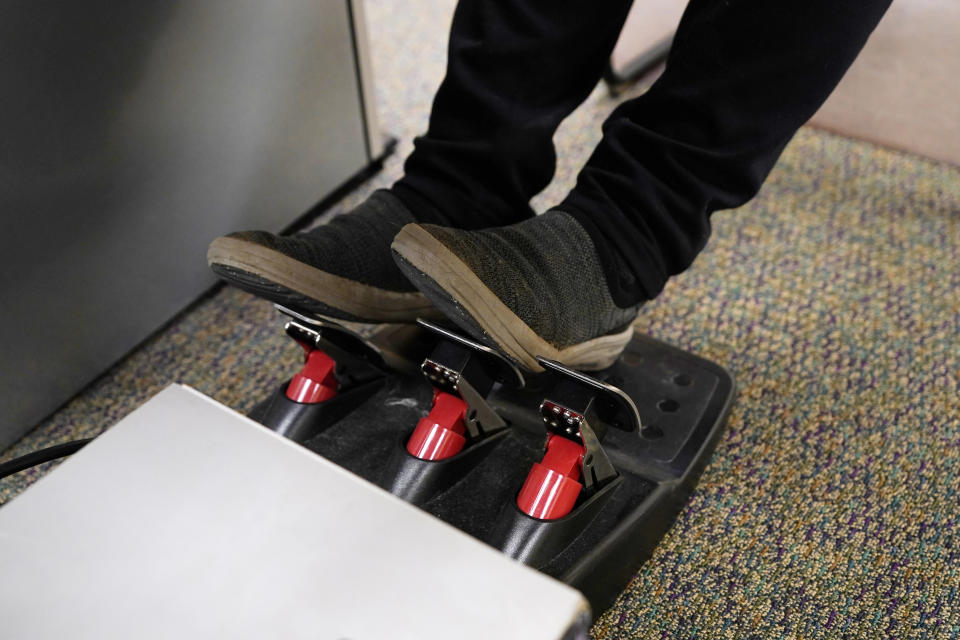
{"points": [[515, 70], [742, 77]]}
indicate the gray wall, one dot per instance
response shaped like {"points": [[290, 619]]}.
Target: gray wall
{"points": [[131, 134]]}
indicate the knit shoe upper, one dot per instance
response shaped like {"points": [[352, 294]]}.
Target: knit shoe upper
{"points": [[535, 288], [341, 269]]}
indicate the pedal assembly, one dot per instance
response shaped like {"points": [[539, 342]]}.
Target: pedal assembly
{"points": [[577, 475]]}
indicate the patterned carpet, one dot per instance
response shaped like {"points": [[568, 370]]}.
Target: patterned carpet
{"points": [[832, 505]]}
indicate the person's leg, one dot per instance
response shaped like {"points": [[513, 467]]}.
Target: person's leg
{"points": [[516, 68], [742, 77]]}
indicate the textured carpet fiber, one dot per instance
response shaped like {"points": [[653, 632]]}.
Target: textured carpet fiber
{"points": [[831, 507]]}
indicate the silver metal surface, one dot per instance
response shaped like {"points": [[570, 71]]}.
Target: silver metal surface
{"points": [[386, 346], [296, 315], [481, 418], [131, 135], [507, 372], [627, 417], [597, 467]]}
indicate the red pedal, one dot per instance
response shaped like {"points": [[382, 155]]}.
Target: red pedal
{"points": [[315, 383], [552, 486], [440, 434]]}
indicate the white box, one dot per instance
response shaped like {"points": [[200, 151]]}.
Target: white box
{"points": [[188, 520]]}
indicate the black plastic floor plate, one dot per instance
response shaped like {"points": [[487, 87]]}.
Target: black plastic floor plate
{"points": [[683, 401]]}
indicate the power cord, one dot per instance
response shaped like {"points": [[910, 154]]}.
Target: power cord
{"points": [[61, 450]]}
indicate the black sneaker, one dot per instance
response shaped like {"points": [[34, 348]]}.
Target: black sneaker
{"points": [[342, 269], [535, 288]]}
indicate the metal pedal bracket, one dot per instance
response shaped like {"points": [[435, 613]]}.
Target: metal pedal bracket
{"points": [[461, 367], [347, 347], [582, 409]]}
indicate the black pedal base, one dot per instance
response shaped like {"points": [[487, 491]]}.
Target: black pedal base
{"points": [[682, 401]]}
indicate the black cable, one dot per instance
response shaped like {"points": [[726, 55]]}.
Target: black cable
{"points": [[61, 450]]}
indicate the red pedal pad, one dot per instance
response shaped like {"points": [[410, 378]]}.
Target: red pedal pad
{"points": [[552, 486], [315, 383], [440, 434]]}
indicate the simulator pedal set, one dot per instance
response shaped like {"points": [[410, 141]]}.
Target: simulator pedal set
{"points": [[578, 475]]}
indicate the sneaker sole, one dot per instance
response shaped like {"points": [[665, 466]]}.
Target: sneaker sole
{"points": [[465, 299], [272, 275]]}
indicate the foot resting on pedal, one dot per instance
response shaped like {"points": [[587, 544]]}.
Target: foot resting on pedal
{"points": [[342, 269], [535, 288]]}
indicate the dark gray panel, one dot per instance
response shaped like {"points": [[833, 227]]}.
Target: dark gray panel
{"points": [[131, 134]]}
